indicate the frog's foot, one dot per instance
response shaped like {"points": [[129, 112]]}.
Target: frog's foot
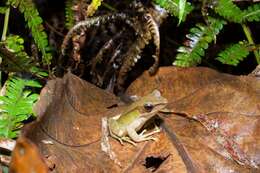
{"points": [[117, 138], [143, 132]]}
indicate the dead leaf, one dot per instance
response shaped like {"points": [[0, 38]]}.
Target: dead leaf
{"points": [[26, 158], [70, 112], [214, 127], [216, 117]]}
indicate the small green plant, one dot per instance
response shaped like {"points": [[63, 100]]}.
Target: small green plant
{"points": [[34, 22], [198, 40], [16, 105], [17, 101]]}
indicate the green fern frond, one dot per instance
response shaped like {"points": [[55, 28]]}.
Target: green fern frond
{"points": [[228, 10], [198, 40], [34, 21], [69, 14], [231, 12], [252, 13], [182, 5], [16, 106], [16, 59], [174, 7], [234, 54], [92, 8]]}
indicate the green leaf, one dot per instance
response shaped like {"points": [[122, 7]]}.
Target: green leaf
{"points": [[16, 105], [182, 4], [231, 12], [176, 7], [234, 54], [252, 13], [198, 40], [34, 22], [228, 10]]}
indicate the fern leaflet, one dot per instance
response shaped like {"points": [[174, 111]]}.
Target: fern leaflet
{"points": [[234, 54], [15, 59], [228, 10], [34, 21], [199, 39], [252, 13], [16, 106], [182, 4], [175, 7]]}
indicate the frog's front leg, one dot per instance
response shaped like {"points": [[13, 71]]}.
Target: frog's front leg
{"points": [[154, 131], [131, 130], [138, 138]]}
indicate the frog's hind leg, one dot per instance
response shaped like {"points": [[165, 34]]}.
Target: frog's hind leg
{"points": [[118, 138], [115, 136], [112, 123]]}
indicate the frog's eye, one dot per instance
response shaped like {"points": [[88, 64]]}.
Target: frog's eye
{"points": [[148, 106]]}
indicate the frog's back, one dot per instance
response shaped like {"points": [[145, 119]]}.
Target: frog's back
{"points": [[128, 118]]}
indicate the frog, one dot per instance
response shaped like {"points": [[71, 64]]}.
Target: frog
{"points": [[124, 126]]}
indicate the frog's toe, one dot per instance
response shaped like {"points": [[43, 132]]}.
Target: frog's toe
{"points": [[142, 133], [154, 139], [150, 138], [121, 141], [157, 129]]}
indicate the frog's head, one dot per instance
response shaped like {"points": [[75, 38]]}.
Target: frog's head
{"points": [[154, 101]]}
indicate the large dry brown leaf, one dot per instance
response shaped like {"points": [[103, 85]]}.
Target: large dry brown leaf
{"points": [[215, 127], [222, 134]]}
